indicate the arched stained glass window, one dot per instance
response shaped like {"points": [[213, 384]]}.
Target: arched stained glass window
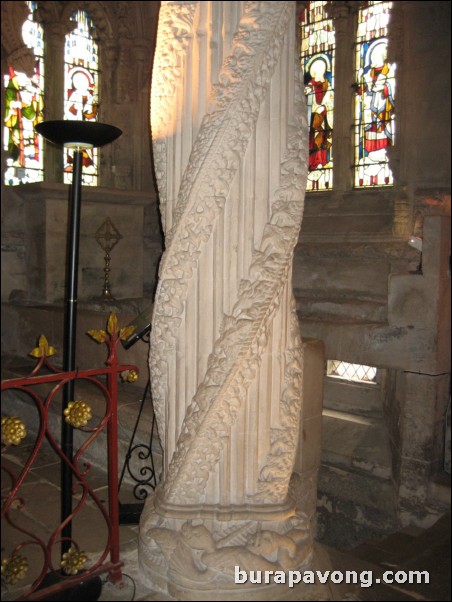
{"points": [[317, 59], [374, 98], [81, 79], [24, 105]]}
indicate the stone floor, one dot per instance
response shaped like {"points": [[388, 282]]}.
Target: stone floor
{"points": [[409, 550]]}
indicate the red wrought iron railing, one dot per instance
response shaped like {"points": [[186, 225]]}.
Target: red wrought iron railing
{"points": [[33, 550]]}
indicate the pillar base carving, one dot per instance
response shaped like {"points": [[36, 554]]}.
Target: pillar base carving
{"points": [[230, 553]]}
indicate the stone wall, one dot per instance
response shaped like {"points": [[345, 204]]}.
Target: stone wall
{"points": [[374, 299]]}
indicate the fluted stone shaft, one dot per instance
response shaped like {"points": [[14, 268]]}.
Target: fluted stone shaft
{"points": [[229, 135]]}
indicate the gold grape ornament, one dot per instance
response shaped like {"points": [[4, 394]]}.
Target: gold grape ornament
{"points": [[13, 430], [73, 561], [78, 413], [14, 568]]}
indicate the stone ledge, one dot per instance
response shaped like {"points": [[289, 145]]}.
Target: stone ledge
{"points": [[23, 323], [356, 443], [100, 194], [341, 309]]}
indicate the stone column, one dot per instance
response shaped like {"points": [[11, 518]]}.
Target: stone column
{"points": [[344, 25], [229, 132]]}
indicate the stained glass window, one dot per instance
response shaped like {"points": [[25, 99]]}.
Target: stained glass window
{"points": [[24, 105], [81, 90], [374, 98], [317, 59]]}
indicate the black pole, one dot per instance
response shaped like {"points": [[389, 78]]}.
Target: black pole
{"points": [[70, 330], [76, 135]]}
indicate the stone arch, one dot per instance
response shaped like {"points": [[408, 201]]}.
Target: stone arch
{"points": [[97, 12], [14, 51]]}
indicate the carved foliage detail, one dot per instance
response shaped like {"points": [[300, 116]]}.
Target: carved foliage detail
{"points": [[201, 554], [174, 33], [216, 155], [236, 356]]}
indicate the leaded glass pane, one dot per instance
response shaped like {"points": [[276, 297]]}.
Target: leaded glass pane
{"points": [[24, 106], [351, 372], [81, 90], [374, 98], [317, 59]]}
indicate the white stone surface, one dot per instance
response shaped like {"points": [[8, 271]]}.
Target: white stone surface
{"points": [[229, 131]]}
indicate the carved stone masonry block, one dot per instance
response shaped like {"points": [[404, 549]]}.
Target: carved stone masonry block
{"points": [[229, 132]]}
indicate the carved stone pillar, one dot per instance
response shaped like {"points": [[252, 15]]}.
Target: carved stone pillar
{"points": [[229, 132]]}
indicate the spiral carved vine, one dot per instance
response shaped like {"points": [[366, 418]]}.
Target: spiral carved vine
{"points": [[260, 307]]}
